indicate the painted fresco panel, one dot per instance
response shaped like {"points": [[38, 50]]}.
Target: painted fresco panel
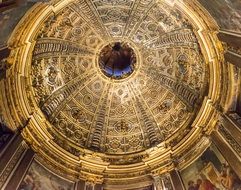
{"points": [[39, 178], [210, 172], [227, 13]]}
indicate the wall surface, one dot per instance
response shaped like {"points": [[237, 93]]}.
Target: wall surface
{"points": [[40, 178], [9, 19], [227, 13], [210, 169]]}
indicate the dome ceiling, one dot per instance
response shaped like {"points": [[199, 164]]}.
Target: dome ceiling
{"points": [[136, 106], [114, 90]]}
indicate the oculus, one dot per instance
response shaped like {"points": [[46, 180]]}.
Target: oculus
{"points": [[117, 60]]}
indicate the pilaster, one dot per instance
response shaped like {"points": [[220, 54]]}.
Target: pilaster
{"points": [[227, 150], [163, 182], [176, 180]]}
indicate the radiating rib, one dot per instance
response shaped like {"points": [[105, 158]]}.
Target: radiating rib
{"points": [[60, 97], [45, 46]]}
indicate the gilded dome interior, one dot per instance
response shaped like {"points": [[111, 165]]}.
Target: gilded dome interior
{"points": [[94, 101], [121, 94]]}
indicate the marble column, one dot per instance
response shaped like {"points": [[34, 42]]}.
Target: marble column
{"points": [[20, 171], [227, 149], [11, 158], [233, 52], [82, 185], [9, 150], [236, 119], [176, 180], [233, 127], [232, 39], [158, 183], [163, 182], [98, 187], [233, 58]]}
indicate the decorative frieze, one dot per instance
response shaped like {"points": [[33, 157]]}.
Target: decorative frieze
{"points": [[228, 137]]}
